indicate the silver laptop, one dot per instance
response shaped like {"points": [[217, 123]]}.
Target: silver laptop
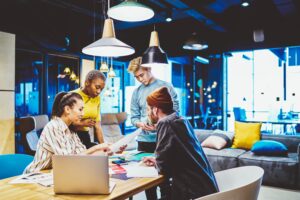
{"points": [[81, 174]]}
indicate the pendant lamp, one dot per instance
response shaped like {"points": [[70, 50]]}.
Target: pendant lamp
{"points": [[73, 76], [67, 71], [104, 67], [194, 43], [154, 55], [108, 45], [130, 11], [111, 73]]}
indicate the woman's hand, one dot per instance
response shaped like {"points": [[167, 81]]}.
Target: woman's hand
{"points": [[102, 149], [88, 122], [149, 161]]}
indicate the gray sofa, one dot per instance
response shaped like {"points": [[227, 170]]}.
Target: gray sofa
{"points": [[279, 171]]}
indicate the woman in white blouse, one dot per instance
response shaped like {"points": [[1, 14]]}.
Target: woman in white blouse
{"points": [[57, 138]]}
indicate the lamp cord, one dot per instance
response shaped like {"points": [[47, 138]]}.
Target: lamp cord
{"points": [[103, 8], [94, 23]]}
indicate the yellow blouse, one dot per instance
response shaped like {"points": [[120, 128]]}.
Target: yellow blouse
{"points": [[91, 107]]}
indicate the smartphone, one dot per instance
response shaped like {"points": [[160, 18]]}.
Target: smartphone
{"points": [[119, 162]]}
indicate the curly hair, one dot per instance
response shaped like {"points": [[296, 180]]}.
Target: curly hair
{"points": [[134, 65], [94, 74]]}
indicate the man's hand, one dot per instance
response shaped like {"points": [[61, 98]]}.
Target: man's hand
{"points": [[88, 122], [145, 126], [122, 148], [149, 161]]}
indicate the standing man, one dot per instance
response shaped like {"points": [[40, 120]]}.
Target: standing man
{"points": [[93, 85], [178, 152], [147, 139]]}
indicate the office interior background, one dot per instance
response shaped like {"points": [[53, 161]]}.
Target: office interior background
{"points": [[252, 60]]}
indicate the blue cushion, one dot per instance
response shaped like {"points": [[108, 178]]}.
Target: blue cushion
{"points": [[269, 148]]}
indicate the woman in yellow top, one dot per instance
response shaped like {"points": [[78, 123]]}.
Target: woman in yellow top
{"points": [[93, 85]]}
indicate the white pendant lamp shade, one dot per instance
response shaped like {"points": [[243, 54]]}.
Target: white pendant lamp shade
{"points": [[154, 56], [130, 11], [108, 45]]}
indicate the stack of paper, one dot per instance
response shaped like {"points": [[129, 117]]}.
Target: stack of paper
{"points": [[117, 169], [140, 171], [44, 179]]}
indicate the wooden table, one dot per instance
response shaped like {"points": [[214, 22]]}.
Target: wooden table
{"points": [[124, 189]]}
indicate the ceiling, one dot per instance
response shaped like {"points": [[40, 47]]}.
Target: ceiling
{"points": [[69, 25]]}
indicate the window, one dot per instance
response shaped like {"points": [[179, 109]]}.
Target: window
{"points": [[63, 75], [112, 95], [263, 83], [29, 68]]}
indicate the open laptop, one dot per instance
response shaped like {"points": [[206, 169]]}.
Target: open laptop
{"points": [[81, 174]]}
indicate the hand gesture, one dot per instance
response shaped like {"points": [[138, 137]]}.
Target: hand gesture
{"points": [[149, 161], [102, 148], [88, 122], [146, 127], [122, 148]]}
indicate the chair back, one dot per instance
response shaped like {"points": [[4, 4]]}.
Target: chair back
{"points": [[110, 123], [13, 164], [237, 183], [239, 114], [29, 126]]}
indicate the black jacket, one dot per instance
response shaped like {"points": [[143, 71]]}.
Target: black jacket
{"points": [[181, 157]]}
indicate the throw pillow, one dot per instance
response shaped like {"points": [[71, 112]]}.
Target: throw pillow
{"points": [[269, 148], [202, 134], [227, 135], [246, 134], [214, 142]]}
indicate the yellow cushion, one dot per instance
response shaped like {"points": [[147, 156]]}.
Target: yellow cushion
{"points": [[246, 134]]}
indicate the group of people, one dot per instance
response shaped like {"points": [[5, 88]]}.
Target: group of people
{"points": [[154, 110]]}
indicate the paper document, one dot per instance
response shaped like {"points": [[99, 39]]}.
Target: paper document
{"points": [[115, 147], [140, 171], [44, 179]]}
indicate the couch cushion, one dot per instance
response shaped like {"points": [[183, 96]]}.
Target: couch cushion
{"points": [[202, 134], [214, 142], [228, 136], [269, 148], [279, 171], [224, 158], [246, 134], [290, 141]]}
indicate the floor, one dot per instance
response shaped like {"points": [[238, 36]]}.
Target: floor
{"points": [[273, 193], [266, 193]]}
